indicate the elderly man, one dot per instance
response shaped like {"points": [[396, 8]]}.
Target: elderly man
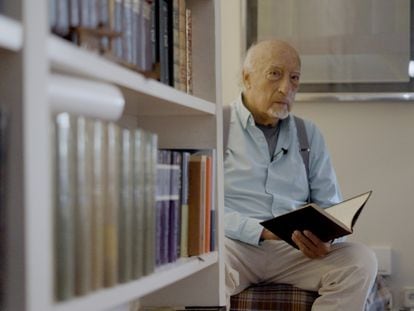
{"points": [[265, 176]]}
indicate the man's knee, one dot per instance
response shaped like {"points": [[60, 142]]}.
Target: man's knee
{"points": [[358, 257]]}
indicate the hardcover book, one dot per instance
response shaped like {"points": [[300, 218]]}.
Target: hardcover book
{"points": [[98, 206], [111, 212], [189, 50], [196, 204], [83, 205], [327, 224], [138, 210], [65, 200], [150, 173], [125, 210], [175, 221], [185, 159]]}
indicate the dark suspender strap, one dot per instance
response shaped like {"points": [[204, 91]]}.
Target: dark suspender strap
{"points": [[304, 148], [226, 125]]}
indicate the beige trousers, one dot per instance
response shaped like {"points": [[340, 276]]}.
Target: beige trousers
{"points": [[343, 278]]}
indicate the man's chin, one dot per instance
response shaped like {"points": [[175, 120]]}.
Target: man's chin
{"points": [[283, 115]]}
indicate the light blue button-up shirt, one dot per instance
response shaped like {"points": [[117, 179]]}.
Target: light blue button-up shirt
{"points": [[258, 187]]}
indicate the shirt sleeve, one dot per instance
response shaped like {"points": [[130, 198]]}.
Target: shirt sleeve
{"points": [[242, 228]]}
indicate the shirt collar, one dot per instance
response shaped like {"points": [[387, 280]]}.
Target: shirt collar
{"points": [[244, 114]]}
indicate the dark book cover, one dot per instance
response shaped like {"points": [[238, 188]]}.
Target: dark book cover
{"points": [[166, 42], [327, 224], [185, 160], [163, 205], [155, 32], [175, 206]]}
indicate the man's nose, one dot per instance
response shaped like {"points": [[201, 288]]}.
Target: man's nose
{"points": [[284, 86]]}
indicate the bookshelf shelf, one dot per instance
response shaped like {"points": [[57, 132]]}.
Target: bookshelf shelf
{"points": [[11, 37], [146, 96], [163, 276]]}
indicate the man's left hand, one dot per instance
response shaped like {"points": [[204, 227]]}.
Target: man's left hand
{"points": [[310, 245]]}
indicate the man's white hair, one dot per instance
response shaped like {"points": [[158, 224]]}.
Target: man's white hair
{"points": [[248, 64]]}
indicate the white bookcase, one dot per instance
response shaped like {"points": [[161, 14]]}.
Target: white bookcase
{"points": [[29, 54]]}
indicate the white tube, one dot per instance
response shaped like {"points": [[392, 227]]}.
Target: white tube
{"points": [[85, 97]]}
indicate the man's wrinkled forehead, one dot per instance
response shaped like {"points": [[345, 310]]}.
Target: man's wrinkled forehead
{"points": [[274, 53]]}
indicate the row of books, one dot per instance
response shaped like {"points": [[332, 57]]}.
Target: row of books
{"points": [[3, 204], [184, 208], [123, 207], [150, 36], [104, 198]]}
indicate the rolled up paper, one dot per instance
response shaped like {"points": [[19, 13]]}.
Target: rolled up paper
{"points": [[85, 97]]}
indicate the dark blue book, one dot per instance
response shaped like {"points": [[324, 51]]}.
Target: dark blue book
{"points": [[163, 206]]}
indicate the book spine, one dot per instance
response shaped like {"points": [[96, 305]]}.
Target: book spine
{"points": [[125, 212], [52, 13], [146, 59], [74, 10], [207, 231], [138, 216], [182, 46], [151, 142], [103, 22], [98, 207], [64, 159], [163, 209], [155, 33], [127, 31], [189, 51], [103, 13], [175, 220], [185, 159], [62, 18], [164, 42], [93, 13], [196, 205], [112, 191], [117, 27], [136, 17], [85, 14], [176, 44], [83, 205], [213, 221]]}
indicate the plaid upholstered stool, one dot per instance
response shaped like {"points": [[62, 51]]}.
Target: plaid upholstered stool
{"points": [[275, 297]]}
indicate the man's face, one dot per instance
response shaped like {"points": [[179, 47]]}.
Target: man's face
{"points": [[272, 84]]}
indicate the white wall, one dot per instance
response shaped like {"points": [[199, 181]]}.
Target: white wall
{"points": [[372, 147]]}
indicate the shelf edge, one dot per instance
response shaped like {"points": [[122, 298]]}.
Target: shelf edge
{"points": [[125, 293], [11, 34], [68, 58]]}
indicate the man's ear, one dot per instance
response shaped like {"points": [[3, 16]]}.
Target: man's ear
{"points": [[246, 79]]}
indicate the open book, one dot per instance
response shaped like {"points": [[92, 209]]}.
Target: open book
{"points": [[327, 224]]}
